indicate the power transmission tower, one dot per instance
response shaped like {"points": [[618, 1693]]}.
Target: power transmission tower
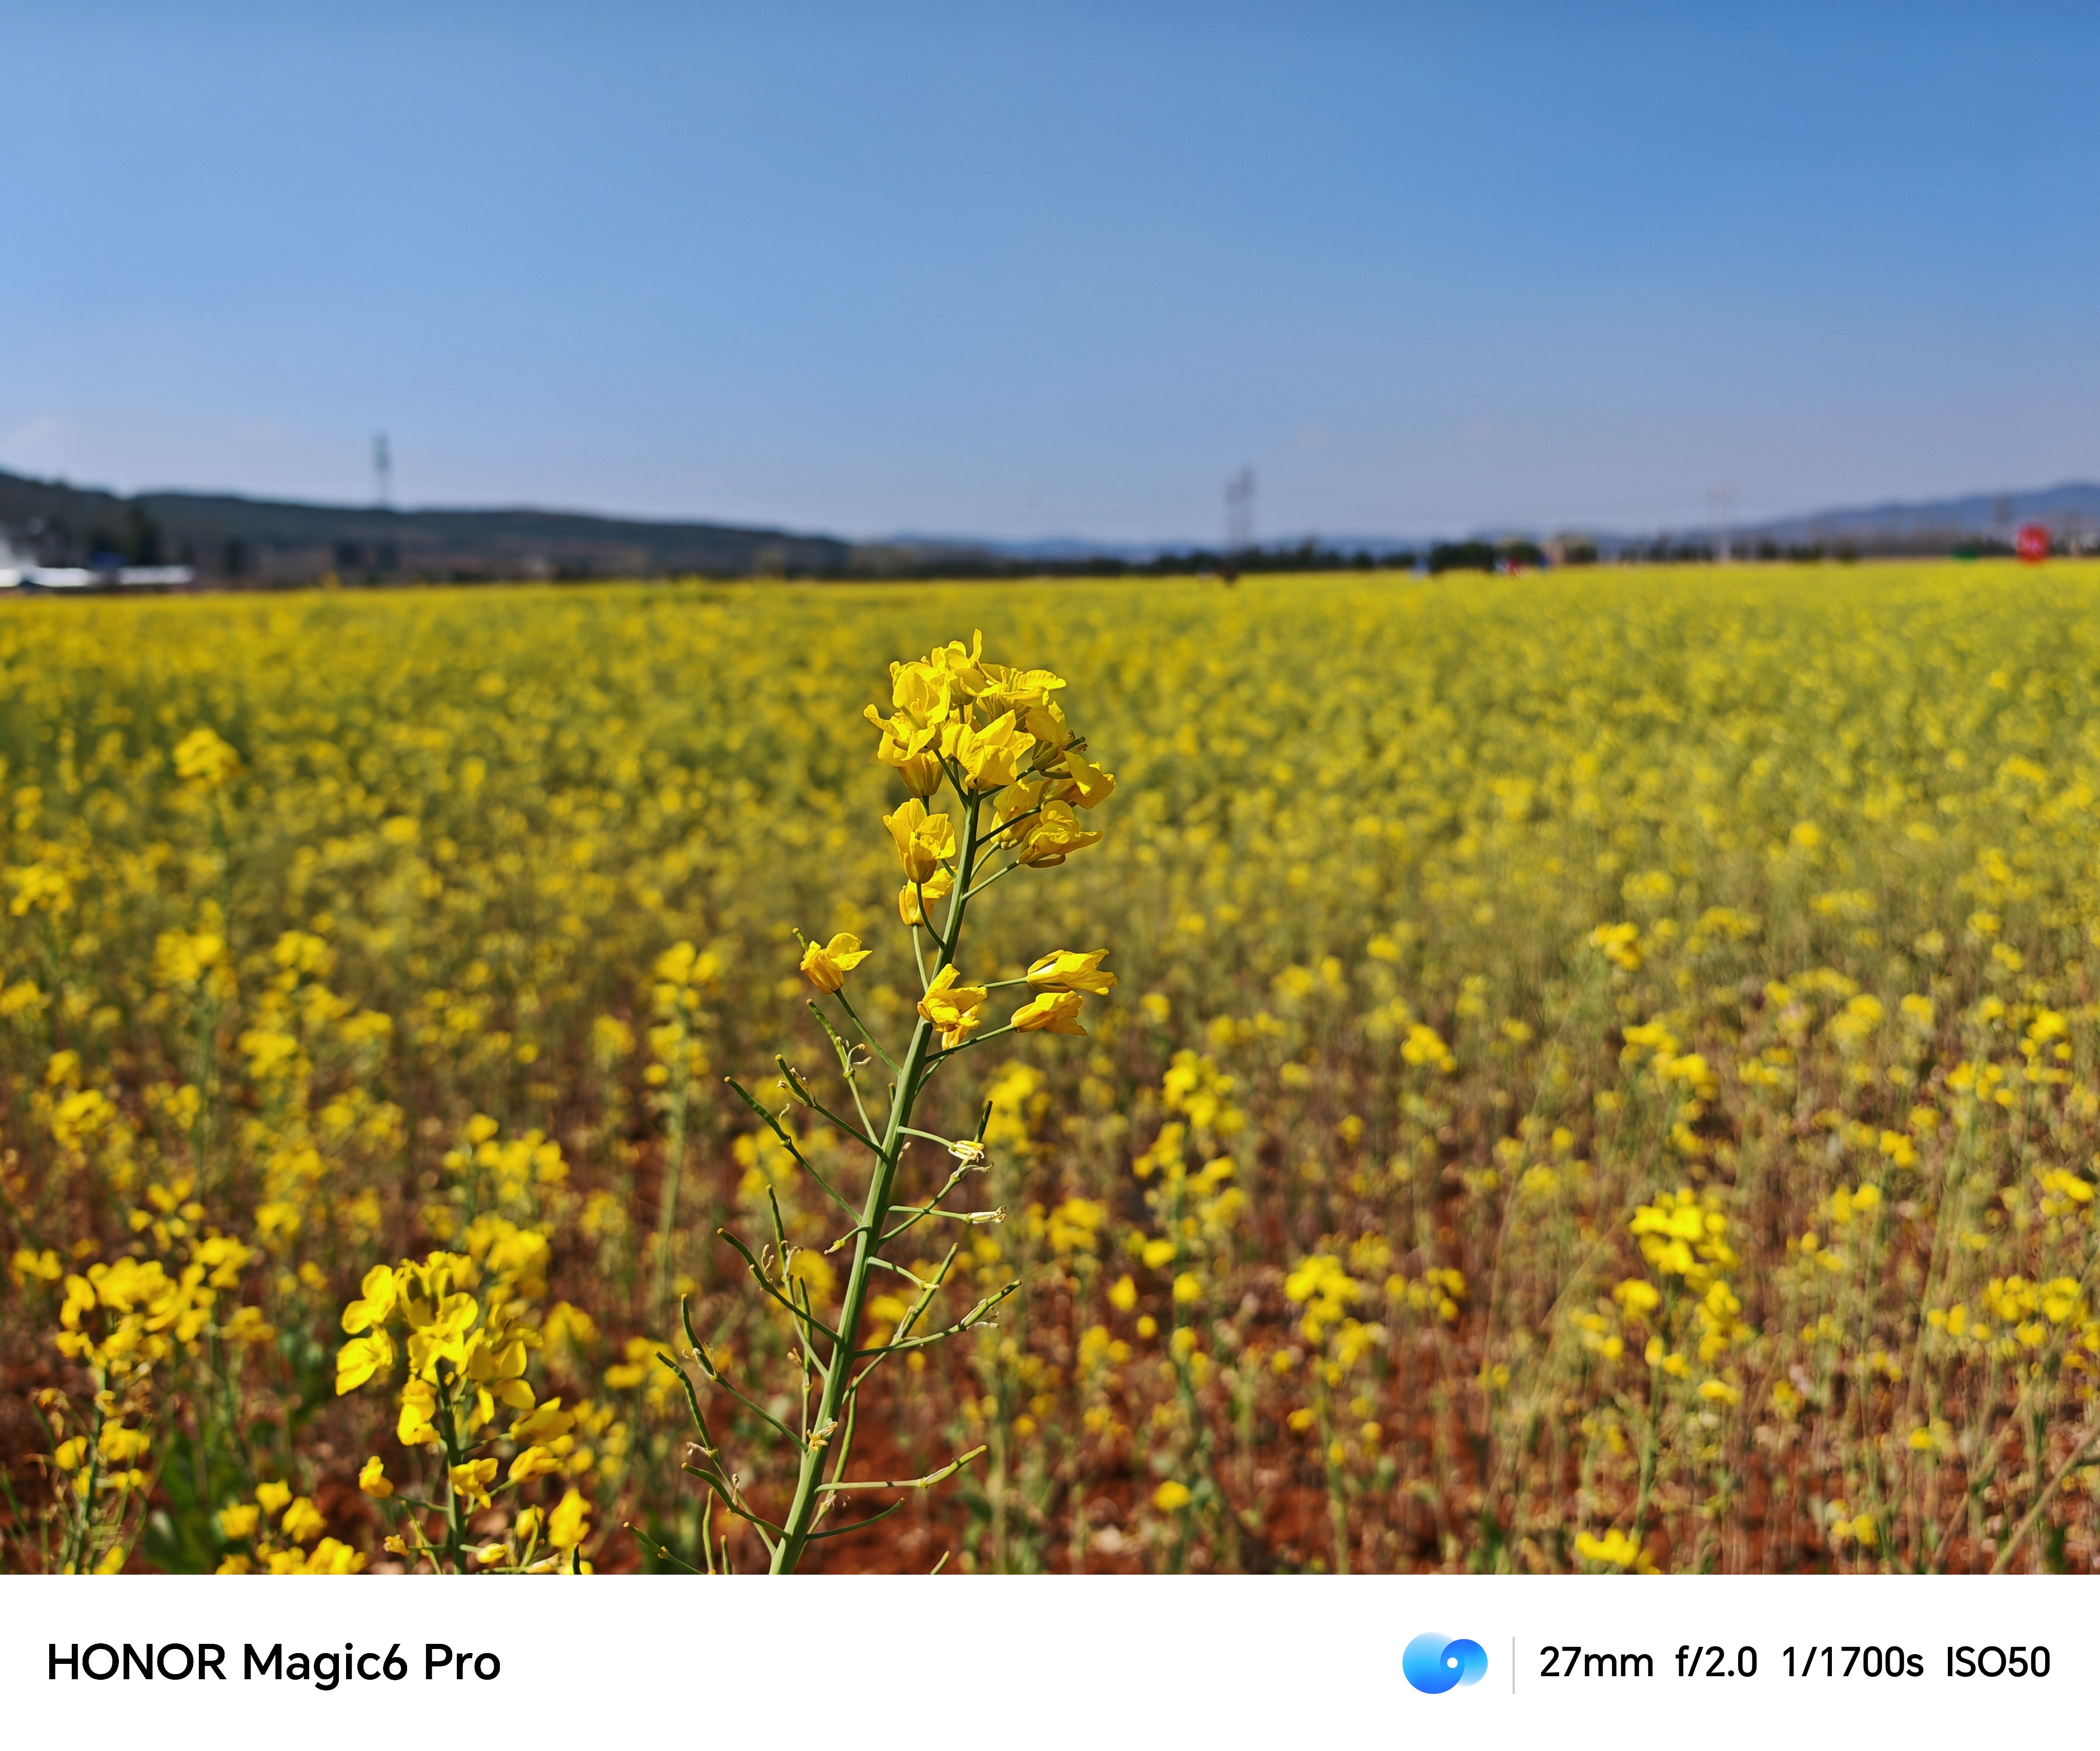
{"points": [[382, 471], [1720, 520], [1239, 512]]}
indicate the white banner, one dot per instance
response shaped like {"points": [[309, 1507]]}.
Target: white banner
{"points": [[1054, 1661]]}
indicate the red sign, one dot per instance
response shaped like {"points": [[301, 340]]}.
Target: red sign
{"points": [[2031, 543]]}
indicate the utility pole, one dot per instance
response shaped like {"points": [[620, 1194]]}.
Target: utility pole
{"points": [[382, 471]]}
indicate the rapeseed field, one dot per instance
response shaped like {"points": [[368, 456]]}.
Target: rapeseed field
{"points": [[1589, 1071]]}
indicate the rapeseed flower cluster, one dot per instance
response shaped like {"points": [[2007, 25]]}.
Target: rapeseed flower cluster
{"points": [[996, 738]]}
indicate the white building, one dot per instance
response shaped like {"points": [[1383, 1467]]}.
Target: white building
{"points": [[18, 570]]}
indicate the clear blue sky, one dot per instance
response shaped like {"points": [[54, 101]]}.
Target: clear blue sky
{"points": [[1044, 269]]}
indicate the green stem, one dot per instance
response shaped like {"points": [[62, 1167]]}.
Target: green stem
{"points": [[866, 1033], [800, 1521], [2081, 1455], [79, 1541], [1651, 1450], [455, 1524], [1338, 1501]]}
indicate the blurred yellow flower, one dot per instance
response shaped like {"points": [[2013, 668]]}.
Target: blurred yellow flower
{"points": [[470, 1480], [204, 761], [567, 1526], [1616, 1548]]}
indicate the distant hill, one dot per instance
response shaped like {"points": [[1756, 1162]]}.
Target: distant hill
{"points": [[229, 538], [2070, 511]]}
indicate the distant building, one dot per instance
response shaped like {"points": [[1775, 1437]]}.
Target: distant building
{"points": [[19, 569], [15, 565]]}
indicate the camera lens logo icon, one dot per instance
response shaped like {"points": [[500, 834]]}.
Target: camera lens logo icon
{"points": [[1434, 1664]]}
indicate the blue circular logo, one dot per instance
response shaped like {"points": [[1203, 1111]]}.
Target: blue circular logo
{"points": [[1434, 1664]]}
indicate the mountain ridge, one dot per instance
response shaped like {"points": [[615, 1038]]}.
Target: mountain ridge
{"points": [[235, 537], [232, 536]]}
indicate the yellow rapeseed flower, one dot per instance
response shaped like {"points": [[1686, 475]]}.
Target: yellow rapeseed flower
{"points": [[568, 1526], [302, 1522], [1053, 1012], [470, 1480], [1617, 1548], [1062, 969], [991, 757], [1053, 835], [826, 964], [204, 761], [955, 1008], [923, 841]]}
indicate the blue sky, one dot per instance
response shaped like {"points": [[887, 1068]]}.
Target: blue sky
{"points": [[1054, 270]]}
